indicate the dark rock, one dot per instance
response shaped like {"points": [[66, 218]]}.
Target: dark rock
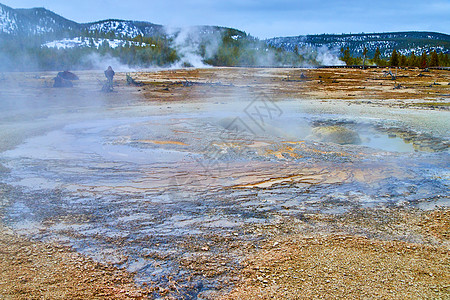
{"points": [[66, 75], [61, 82], [131, 81]]}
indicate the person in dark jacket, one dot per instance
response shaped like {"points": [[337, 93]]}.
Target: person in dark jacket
{"points": [[109, 73], [108, 86]]}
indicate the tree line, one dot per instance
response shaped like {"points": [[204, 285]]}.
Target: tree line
{"points": [[397, 59], [18, 54], [233, 48]]}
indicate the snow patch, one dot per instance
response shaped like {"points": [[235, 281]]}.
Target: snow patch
{"points": [[124, 28], [8, 23], [89, 42]]}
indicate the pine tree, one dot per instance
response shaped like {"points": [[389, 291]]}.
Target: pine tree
{"points": [[346, 57], [424, 60], [377, 57], [412, 60], [394, 59], [444, 60], [434, 60], [441, 59], [403, 61]]}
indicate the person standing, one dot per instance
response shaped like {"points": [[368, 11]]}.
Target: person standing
{"points": [[108, 86], [109, 73]]}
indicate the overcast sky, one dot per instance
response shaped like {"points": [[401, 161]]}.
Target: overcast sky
{"points": [[263, 18]]}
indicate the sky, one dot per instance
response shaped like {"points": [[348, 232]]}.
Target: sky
{"points": [[263, 18]]}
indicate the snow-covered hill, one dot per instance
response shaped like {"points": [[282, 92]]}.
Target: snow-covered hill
{"points": [[52, 27], [129, 29], [33, 21], [42, 22], [403, 42], [89, 42], [8, 20], [125, 28]]}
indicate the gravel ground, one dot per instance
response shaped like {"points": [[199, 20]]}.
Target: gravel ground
{"points": [[34, 270], [342, 266]]}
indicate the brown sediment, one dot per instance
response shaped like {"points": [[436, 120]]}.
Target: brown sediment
{"points": [[162, 142], [283, 150], [323, 264], [296, 178], [293, 142], [351, 85], [437, 224], [344, 267], [35, 270]]}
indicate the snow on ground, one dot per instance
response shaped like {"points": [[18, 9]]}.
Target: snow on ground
{"points": [[125, 28], [87, 42]]}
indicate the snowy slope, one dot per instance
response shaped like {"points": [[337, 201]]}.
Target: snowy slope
{"points": [[403, 42], [125, 28], [85, 42], [8, 20], [34, 21], [41, 21], [119, 27]]}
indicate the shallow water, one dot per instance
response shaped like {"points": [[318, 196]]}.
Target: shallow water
{"points": [[138, 186]]}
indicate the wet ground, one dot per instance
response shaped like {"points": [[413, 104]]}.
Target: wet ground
{"points": [[177, 191]]}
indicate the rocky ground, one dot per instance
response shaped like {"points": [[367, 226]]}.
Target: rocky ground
{"points": [[392, 253], [409, 88], [379, 264], [34, 270]]}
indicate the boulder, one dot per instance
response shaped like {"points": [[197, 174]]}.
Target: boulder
{"points": [[66, 75], [61, 82]]}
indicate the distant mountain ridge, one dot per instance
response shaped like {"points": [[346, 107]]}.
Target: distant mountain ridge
{"points": [[34, 21], [50, 29], [403, 42], [50, 26]]}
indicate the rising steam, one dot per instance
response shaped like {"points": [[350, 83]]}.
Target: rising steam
{"points": [[186, 42]]}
